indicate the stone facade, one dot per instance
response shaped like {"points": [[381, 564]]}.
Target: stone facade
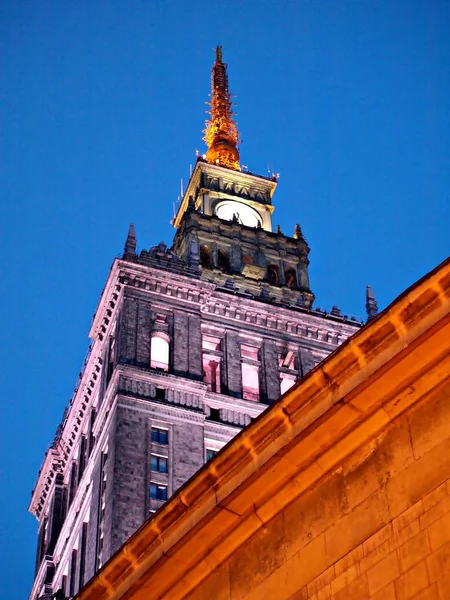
{"points": [[224, 317], [339, 491]]}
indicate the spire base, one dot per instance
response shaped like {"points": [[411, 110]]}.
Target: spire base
{"points": [[224, 154]]}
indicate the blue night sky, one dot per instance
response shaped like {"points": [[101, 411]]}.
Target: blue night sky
{"points": [[102, 107]]}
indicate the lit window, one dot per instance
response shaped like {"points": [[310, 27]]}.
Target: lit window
{"points": [[250, 372], [211, 374], [158, 492], [158, 463], [288, 362], [286, 382], [160, 436], [159, 352], [250, 382], [212, 359]]}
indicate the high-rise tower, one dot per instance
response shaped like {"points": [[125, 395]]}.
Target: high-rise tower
{"points": [[189, 344]]}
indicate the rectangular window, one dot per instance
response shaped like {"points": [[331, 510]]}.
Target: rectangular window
{"points": [[160, 436], [250, 382], [211, 373], [158, 463], [160, 393], [210, 453], [212, 360], [158, 492], [288, 363]]}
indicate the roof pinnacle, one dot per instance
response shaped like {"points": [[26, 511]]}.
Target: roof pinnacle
{"points": [[371, 304], [221, 134], [129, 251]]}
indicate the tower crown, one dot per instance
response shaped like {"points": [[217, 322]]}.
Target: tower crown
{"points": [[221, 134]]}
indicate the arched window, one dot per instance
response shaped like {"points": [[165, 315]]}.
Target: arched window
{"points": [[205, 256], [159, 351], [290, 278], [223, 260], [273, 274]]}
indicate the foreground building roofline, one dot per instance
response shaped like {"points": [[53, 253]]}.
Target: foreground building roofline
{"points": [[337, 407]]}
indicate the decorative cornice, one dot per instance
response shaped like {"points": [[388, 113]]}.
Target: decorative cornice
{"points": [[207, 177]]}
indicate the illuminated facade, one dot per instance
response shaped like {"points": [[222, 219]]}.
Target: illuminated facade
{"points": [[189, 345], [339, 491]]}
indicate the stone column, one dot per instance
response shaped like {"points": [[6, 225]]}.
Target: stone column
{"points": [[194, 349], [92, 533], [235, 258], [127, 331], [232, 366], [271, 372], [180, 343], [302, 271], [143, 334]]}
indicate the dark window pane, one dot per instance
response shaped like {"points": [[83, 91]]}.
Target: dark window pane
{"points": [[158, 463], [159, 436], [158, 492], [210, 454], [162, 492]]}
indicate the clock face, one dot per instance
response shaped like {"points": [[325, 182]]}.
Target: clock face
{"points": [[229, 209]]}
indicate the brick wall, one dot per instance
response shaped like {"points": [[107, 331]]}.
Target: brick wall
{"points": [[187, 450], [378, 528], [128, 489]]}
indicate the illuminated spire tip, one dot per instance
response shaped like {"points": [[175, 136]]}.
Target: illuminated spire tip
{"points": [[221, 134]]}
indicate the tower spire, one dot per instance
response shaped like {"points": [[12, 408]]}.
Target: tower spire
{"points": [[221, 134], [371, 303], [129, 251]]}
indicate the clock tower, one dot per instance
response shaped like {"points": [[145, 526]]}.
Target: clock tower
{"points": [[224, 222], [189, 343]]}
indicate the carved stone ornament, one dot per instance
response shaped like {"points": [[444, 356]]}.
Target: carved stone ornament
{"points": [[253, 271]]}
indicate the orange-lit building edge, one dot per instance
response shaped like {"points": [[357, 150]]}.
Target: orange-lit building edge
{"points": [[340, 489]]}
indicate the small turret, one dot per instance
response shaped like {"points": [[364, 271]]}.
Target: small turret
{"points": [[298, 234], [371, 304], [129, 252]]}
